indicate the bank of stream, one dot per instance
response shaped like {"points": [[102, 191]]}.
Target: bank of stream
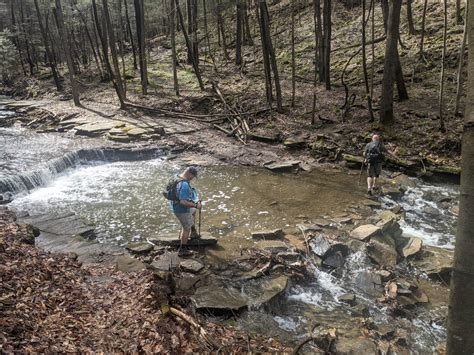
{"points": [[123, 200]]}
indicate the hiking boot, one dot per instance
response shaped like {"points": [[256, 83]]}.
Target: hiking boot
{"points": [[184, 251], [369, 192]]}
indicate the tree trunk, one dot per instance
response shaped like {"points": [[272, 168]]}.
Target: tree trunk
{"points": [[442, 126], [67, 52], [266, 61], [189, 45], [57, 80], [293, 65], [327, 43], [248, 41], [27, 42], [460, 75], [132, 42], [319, 36], [140, 21], [238, 34], [220, 23], [411, 26], [317, 39], [391, 55], [461, 307], [16, 40], [195, 31], [458, 12], [265, 18], [173, 46], [364, 64], [423, 21], [384, 5]]}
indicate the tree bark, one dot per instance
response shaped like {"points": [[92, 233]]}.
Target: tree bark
{"points": [[458, 12], [220, 23], [265, 19], [67, 52], [461, 299], [327, 43], [189, 45], [238, 33], [319, 39], [411, 26], [140, 22], [442, 126], [391, 55], [293, 64], [460, 75], [173, 46], [132, 42], [57, 80], [364, 64], [423, 21]]}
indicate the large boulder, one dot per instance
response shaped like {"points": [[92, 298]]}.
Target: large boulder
{"points": [[369, 282], [126, 263], [411, 247], [282, 166], [436, 262], [382, 250], [139, 248], [217, 298], [365, 232]]}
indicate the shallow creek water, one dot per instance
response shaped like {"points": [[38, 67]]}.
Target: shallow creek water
{"points": [[124, 201]]}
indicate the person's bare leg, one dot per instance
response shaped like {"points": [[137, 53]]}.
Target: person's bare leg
{"points": [[369, 183], [373, 182], [185, 236]]}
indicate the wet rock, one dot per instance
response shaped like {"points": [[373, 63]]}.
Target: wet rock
{"points": [[6, 198], [165, 262], [288, 165], [348, 298], [369, 282], [382, 250], [126, 263], [384, 274], [436, 262], [342, 220], [137, 132], [289, 257], [62, 224], [273, 246], [365, 232], [320, 245], [404, 181], [139, 248], [385, 331], [268, 234], [454, 210], [173, 240], [322, 223], [72, 256], [412, 246], [215, 297], [431, 211], [349, 346], [371, 203], [308, 227], [185, 282], [419, 296], [28, 233], [360, 310], [191, 265], [271, 288], [393, 192], [277, 269], [334, 261]]}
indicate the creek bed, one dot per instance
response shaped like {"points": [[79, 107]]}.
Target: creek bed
{"points": [[123, 199]]}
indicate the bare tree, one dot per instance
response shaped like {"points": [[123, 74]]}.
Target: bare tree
{"points": [[461, 297], [442, 126], [140, 22], [364, 62], [173, 46], [67, 52], [460, 76], [423, 21]]}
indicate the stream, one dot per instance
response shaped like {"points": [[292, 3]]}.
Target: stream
{"points": [[123, 199]]}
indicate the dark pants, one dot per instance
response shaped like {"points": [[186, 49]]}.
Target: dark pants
{"points": [[374, 169]]}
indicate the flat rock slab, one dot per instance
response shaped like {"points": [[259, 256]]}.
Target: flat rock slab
{"points": [[139, 248], [308, 227], [218, 298], [97, 128], [268, 234], [270, 137], [166, 262], [214, 297], [365, 232], [126, 263], [436, 262], [191, 265], [61, 224], [283, 166], [382, 250], [172, 240], [273, 246]]}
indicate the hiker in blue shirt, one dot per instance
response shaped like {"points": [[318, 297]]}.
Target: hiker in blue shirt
{"points": [[186, 205]]}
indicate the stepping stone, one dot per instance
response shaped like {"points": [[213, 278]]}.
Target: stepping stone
{"points": [[283, 166], [126, 263], [166, 262], [365, 232], [268, 234], [139, 248], [191, 265], [173, 241]]}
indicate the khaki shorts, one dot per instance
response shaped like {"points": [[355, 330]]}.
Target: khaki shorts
{"points": [[186, 219], [374, 169]]}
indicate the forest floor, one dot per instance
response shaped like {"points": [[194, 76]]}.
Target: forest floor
{"points": [[415, 135], [51, 302]]}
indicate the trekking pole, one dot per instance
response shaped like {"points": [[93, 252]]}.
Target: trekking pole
{"points": [[361, 169], [199, 221]]}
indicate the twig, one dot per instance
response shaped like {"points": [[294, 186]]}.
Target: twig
{"points": [[202, 332]]}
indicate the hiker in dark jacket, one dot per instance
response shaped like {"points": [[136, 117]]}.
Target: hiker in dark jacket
{"points": [[374, 157]]}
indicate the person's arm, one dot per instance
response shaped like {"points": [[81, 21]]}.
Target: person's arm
{"points": [[186, 197]]}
